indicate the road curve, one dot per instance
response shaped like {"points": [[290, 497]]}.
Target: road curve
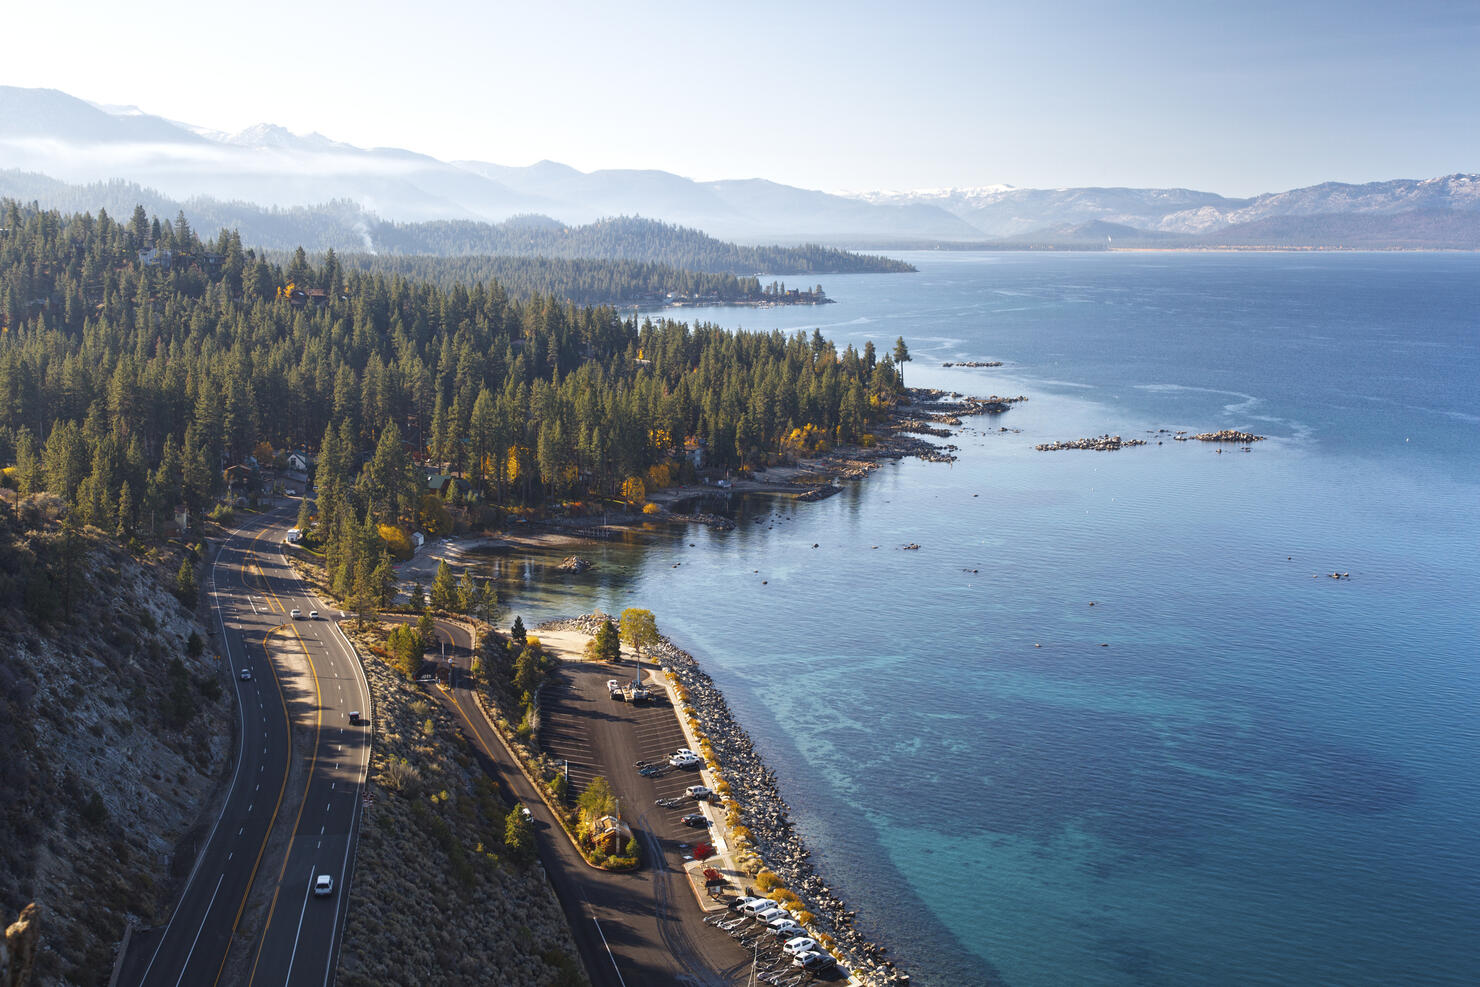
{"points": [[212, 930]]}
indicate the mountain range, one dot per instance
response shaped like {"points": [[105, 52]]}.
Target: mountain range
{"points": [[45, 132]]}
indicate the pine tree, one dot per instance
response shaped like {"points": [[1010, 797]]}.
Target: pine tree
{"points": [[444, 588]]}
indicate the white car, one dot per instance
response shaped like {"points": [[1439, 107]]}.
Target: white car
{"points": [[755, 905], [685, 761], [784, 926], [313, 615], [698, 792], [799, 945], [323, 884], [296, 614], [246, 675], [814, 960], [684, 752]]}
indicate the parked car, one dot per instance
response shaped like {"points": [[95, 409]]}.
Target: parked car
{"points": [[313, 615], [615, 688], [740, 903], [800, 944], [685, 761], [684, 752], [246, 675], [814, 960], [296, 614], [757, 905], [695, 819], [323, 884], [765, 915], [779, 926], [698, 792]]}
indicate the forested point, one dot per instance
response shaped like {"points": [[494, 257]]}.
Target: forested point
{"points": [[626, 237], [144, 370], [583, 281]]}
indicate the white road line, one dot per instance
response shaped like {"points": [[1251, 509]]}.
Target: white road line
{"points": [[186, 964], [609, 951], [289, 977]]}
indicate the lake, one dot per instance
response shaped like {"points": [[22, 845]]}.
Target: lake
{"points": [[1113, 722]]}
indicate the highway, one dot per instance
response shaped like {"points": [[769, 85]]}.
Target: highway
{"points": [[247, 914]]}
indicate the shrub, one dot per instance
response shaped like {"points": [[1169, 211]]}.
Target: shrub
{"points": [[651, 508], [395, 540], [766, 880], [402, 777], [94, 811]]}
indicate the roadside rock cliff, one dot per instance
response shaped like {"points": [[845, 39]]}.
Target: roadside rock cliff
{"points": [[114, 732]]}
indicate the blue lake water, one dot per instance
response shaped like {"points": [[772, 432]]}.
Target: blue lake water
{"points": [[1267, 776]]}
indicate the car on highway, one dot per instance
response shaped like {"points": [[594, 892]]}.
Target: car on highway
{"points": [[323, 884], [296, 614], [695, 819], [246, 675], [354, 716], [799, 945], [313, 615], [685, 760]]}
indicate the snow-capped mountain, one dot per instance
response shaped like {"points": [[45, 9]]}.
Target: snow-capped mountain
{"points": [[47, 132]]}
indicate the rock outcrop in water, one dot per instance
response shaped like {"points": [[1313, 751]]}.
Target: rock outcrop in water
{"points": [[1102, 443]]}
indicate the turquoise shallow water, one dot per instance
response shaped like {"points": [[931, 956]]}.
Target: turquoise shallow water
{"points": [[1268, 776]]}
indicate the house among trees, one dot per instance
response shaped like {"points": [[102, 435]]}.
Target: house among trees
{"points": [[179, 522], [300, 461], [240, 478], [156, 257], [610, 834]]}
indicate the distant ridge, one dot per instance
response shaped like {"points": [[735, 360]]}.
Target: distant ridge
{"points": [[347, 228], [47, 132]]}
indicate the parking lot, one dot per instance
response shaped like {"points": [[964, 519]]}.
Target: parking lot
{"points": [[595, 734]]}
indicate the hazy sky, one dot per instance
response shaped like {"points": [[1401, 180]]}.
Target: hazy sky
{"points": [[1237, 98]]}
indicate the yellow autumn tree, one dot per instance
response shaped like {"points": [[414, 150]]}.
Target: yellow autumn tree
{"points": [[634, 491]]}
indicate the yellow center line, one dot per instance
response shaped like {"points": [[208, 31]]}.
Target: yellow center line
{"points": [[308, 780]]}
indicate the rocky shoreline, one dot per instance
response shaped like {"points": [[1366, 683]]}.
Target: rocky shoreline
{"points": [[766, 813]]}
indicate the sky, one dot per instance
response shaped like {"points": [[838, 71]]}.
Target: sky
{"points": [[1235, 98]]}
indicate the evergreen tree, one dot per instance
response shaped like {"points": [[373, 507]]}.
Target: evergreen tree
{"points": [[444, 588]]}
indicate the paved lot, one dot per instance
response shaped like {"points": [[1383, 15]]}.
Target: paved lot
{"points": [[640, 928]]}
